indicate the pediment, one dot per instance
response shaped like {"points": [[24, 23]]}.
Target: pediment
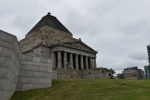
{"points": [[80, 46]]}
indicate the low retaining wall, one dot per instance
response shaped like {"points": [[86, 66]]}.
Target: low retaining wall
{"points": [[10, 59], [34, 73], [98, 73]]}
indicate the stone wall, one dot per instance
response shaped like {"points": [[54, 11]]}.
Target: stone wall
{"points": [[10, 58], [45, 35], [98, 73], [54, 74], [35, 72]]}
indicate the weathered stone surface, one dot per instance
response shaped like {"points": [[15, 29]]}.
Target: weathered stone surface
{"points": [[34, 71], [27, 87], [9, 65], [11, 39], [35, 80], [7, 94], [3, 35], [1, 94]]}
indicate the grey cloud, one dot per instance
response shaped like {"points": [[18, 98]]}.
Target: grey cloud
{"points": [[138, 56]]}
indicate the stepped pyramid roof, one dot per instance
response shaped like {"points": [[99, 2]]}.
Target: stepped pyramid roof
{"points": [[51, 21]]}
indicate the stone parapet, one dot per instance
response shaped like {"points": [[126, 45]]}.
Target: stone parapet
{"points": [[10, 61], [98, 73]]}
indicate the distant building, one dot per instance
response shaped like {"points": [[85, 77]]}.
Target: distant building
{"points": [[133, 73], [147, 68], [148, 50], [147, 71], [119, 76]]}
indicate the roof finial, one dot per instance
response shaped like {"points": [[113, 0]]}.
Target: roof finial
{"points": [[48, 13]]}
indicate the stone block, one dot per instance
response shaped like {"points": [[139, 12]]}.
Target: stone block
{"points": [[34, 63], [11, 46], [29, 74], [7, 62], [42, 80], [46, 74], [49, 61], [11, 39], [27, 86], [16, 78], [5, 44], [35, 86], [6, 53], [22, 73], [7, 85], [17, 63], [27, 58], [2, 83], [11, 76], [26, 67], [1, 49], [34, 80], [12, 67], [1, 94], [36, 59], [35, 68], [43, 69], [6, 95], [19, 81], [37, 74], [3, 35], [49, 81], [19, 87], [24, 80], [43, 60], [2, 60], [3, 72], [49, 69], [13, 57]]}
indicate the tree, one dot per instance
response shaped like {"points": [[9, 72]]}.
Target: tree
{"points": [[110, 72]]}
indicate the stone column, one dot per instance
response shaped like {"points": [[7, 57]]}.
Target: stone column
{"points": [[76, 61], [71, 61], [53, 57], [95, 66], [86, 62], [65, 60], [91, 63], [81, 62], [59, 59]]}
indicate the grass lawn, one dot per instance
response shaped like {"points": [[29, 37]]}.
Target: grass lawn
{"points": [[84, 89]]}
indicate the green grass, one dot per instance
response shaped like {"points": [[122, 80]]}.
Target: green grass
{"points": [[78, 89]]}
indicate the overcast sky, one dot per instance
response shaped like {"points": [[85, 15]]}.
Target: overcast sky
{"points": [[118, 29]]}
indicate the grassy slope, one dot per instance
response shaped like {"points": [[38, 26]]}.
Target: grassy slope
{"points": [[89, 90]]}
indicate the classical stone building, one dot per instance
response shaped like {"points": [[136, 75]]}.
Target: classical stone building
{"points": [[71, 58], [49, 38], [47, 52]]}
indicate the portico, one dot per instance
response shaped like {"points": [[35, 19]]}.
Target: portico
{"points": [[76, 61]]}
